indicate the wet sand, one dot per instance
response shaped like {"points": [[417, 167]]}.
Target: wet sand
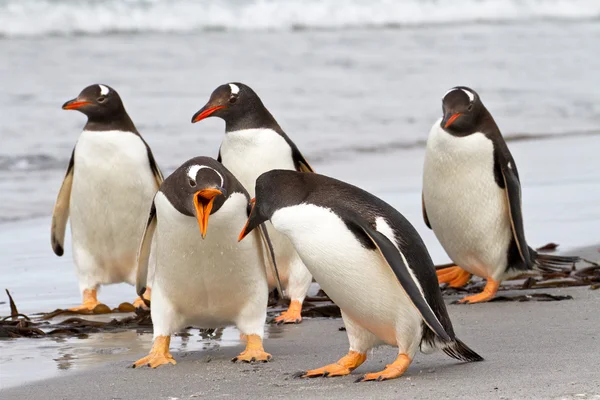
{"points": [[532, 350]]}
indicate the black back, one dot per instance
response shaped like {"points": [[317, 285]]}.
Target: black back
{"points": [[356, 207]]}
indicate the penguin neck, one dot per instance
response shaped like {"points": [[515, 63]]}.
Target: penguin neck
{"points": [[115, 122], [256, 118]]}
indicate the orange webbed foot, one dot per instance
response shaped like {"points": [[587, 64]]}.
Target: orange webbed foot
{"points": [[490, 290], [159, 355], [254, 350], [89, 303], [454, 276], [292, 315], [140, 303], [391, 371], [342, 367]]}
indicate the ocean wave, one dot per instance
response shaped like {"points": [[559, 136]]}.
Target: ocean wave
{"points": [[92, 17]]}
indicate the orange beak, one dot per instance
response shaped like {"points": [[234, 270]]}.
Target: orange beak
{"points": [[74, 104], [203, 202], [245, 231], [452, 119], [205, 112]]}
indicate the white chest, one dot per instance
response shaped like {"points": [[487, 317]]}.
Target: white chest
{"points": [[207, 276], [465, 206], [112, 190], [251, 152], [357, 279]]}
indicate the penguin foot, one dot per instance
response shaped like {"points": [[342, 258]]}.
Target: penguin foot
{"points": [[454, 276], [159, 355], [254, 351], [490, 290], [391, 371], [342, 367], [89, 303], [292, 315], [143, 301]]}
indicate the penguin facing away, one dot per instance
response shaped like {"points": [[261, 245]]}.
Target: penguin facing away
{"points": [[255, 143], [369, 260], [109, 185], [203, 276], [472, 198]]}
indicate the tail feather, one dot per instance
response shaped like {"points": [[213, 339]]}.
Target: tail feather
{"points": [[550, 263], [460, 351]]}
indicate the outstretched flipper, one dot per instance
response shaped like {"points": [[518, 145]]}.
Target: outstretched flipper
{"points": [[143, 256], [397, 262], [60, 215]]}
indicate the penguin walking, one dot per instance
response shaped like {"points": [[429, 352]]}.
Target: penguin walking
{"points": [[369, 260], [204, 277], [472, 198], [108, 188], [255, 143]]}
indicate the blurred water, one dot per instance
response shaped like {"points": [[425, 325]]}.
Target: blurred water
{"points": [[338, 94], [84, 17]]}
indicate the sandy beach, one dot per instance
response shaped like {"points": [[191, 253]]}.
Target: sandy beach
{"points": [[532, 350]]}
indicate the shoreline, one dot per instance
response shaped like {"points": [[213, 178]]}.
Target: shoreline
{"points": [[521, 361]]}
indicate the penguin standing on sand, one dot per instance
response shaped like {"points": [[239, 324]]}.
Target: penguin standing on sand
{"points": [[255, 143], [369, 260], [106, 192], [472, 198], [204, 277]]}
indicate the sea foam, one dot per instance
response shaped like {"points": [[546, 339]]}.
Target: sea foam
{"points": [[73, 17]]}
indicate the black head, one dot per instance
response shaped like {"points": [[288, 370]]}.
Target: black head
{"points": [[462, 110], [198, 188], [293, 188], [239, 106], [103, 107], [96, 101]]}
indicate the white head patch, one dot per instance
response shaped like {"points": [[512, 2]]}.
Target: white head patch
{"points": [[467, 92], [104, 90], [235, 89], [193, 171]]}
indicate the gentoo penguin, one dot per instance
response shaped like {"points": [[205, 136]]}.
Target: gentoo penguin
{"points": [[472, 198], [255, 143], [108, 188], [369, 260], [204, 277]]}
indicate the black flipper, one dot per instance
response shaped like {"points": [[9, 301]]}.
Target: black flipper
{"points": [[299, 161], [270, 253], [424, 211], [219, 159], [512, 189], [60, 214], [143, 255], [396, 261], [158, 176]]}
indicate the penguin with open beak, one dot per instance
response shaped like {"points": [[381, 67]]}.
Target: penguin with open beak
{"points": [[370, 261], [204, 277]]}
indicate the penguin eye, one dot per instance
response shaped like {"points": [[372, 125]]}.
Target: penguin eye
{"points": [[470, 107], [232, 99], [192, 182], [101, 99]]}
